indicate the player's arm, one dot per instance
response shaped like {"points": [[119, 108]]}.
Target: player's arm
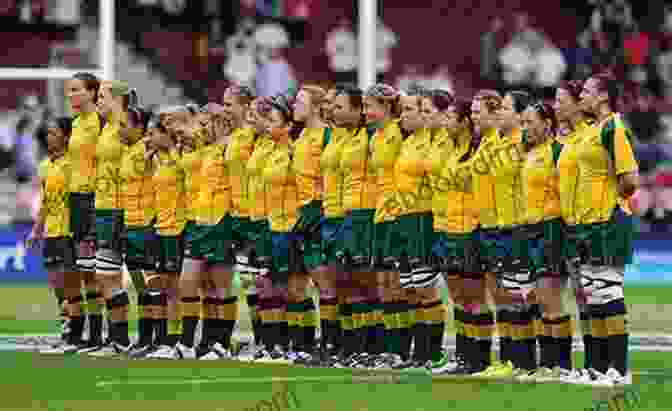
{"points": [[617, 140]]}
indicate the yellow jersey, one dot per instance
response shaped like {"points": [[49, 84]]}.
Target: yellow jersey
{"points": [[497, 180], [541, 191], [55, 189], [238, 152], [568, 171], [604, 153], [413, 190], [257, 191], [385, 147], [137, 187], [191, 162], [170, 195], [306, 164], [283, 197], [215, 199], [86, 128], [453, 201], [330, 166], [359, 180], [109, 152]]}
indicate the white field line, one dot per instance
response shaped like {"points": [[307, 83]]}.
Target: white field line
{"points": [[364, 378], [256, 380]]}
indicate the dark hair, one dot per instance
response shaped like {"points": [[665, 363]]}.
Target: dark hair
{"points": [[441, 99], [244, 93], [90, 81], [355, 97], [573, 87], [354, 94], [284, 106], [386, 94], [521, 99], [607, 83], [62, 123], [490, 98], [416, 90], [138, 117], [546, 112], [463, 110]]}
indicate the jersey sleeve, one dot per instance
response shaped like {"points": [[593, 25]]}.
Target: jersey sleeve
{"points": [[616, 139]]}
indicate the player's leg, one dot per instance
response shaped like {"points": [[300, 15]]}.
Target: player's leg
{"points": [[59, 261], [82, 223], [220, 277], [140, 258], [109, 230]]}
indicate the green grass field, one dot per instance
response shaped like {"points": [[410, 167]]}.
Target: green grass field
{"points": [[36, 382], [31, 381]]}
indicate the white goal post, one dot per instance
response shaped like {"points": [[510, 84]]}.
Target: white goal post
{"points": [[105, 69]]}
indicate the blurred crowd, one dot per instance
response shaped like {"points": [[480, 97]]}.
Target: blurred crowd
{"points": [[515, 53]]}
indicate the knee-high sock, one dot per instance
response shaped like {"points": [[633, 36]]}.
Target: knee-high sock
{"points": [[209, 322], [94, 312], [329, 324], [252, 300], [610, 336], [434, 317], [524, 340], [479, 327], [227, 315], [190, 308], [117, 306], [458, 321]]}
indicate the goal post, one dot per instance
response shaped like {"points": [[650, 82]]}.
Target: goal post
{"points": [[103, 69]]}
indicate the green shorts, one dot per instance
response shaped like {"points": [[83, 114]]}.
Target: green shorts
{"points": [[457, 254], [283, 245], [358, 235], [82, 215], [452, 245], [331, 233], [607, 243], [501, 247], [545, 246], [212, 242], [170, 250], [414, 234], [260, 234], [109, 228], [385, 248], [242, 230], [140, 248]]}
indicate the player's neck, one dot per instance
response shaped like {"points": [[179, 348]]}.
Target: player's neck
{"points": [[315, 122]]}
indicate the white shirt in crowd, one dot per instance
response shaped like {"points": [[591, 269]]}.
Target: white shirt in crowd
{"points": [[241, 65], [341, 48], [386, 40]]}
